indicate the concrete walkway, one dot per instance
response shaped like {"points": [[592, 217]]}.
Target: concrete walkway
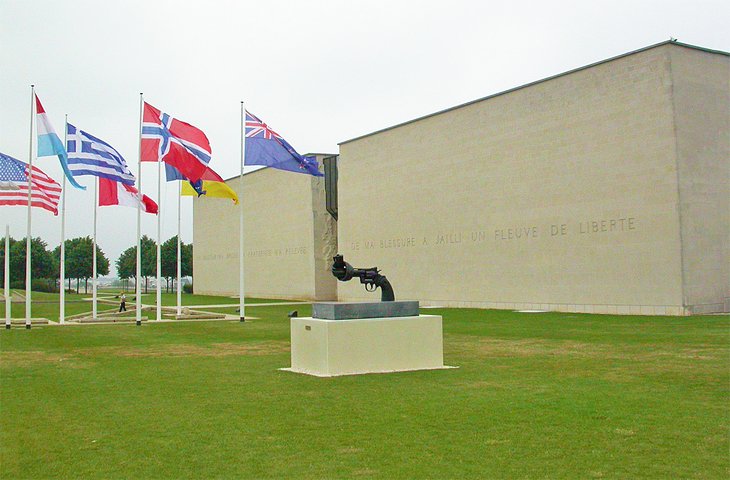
{"points": [[200, 308], [15, 296], [246, 305], [74, 319], [130, 301]]}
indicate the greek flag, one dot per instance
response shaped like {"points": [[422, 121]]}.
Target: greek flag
{"points": [[88, 155]]}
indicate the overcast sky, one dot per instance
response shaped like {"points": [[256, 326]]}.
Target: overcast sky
{"points": [[318, 72]]}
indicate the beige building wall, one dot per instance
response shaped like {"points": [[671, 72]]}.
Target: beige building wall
{"points": [[287, 236], [701, 87], [561, 195]]}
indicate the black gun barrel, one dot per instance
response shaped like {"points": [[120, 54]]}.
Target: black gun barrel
{"points": [[343, 271]]}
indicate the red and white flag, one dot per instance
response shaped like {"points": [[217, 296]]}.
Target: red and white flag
{"points": [[174, 142], [114, 193], [45, 191]]}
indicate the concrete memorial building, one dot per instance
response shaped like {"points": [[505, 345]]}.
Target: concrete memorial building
{"points": [[289, 238], [605, 189]]}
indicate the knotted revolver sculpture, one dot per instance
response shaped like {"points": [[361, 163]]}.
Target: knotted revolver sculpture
{"points": [[370, 277]]}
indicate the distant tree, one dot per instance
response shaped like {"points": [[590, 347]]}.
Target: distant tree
{"points": [[74, 260], [102, 262], [186, 259], [43, 264], [57, 256], [127, 262], [2, 258], [168, 252], [169, 261], [79, 260], [149, 259]]}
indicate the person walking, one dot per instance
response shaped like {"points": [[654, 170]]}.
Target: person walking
{"points": [[122, 302]]}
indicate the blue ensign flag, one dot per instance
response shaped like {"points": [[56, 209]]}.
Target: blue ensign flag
{"points": [[88, 155], [266, 147]]}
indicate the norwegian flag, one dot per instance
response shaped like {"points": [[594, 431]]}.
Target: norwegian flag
{"points": [[266, 147], [175, 142]]}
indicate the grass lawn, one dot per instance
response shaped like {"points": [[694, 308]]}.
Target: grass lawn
{"points": [[45, 305], [536, 396]]}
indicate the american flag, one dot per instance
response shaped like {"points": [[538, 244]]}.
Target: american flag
{"points": [[45, 191]]}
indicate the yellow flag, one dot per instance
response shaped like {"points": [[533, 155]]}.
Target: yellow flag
{"points": [[212, 189]]}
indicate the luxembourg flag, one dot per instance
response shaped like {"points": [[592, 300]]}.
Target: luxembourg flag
{"points": [[113, 193], [48, 142]]}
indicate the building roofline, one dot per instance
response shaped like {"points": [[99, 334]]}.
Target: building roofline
{"points": [[319, 154], [244, 174], [666, 42]]}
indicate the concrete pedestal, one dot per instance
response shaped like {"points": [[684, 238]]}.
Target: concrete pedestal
{"points": [[327, 348]]}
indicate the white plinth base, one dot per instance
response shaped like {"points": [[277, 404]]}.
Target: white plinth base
{"points": [[327, 348]]}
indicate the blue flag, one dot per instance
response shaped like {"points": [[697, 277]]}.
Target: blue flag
{"points": [[266, 147], [49, 144]]}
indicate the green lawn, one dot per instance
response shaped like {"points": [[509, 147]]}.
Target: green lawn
{"points": [[45, 305], [536, 396]]}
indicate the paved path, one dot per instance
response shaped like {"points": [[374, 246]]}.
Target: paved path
{"points": [[228, 317], [271, 304], [193, 307], [15, 296], [199, 307]]}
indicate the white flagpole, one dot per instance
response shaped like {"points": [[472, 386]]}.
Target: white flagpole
{"points": [[62, 273], [7, 277], [28, 238], [137, 285], [93, 256], [158, 292], [179, 252], [241, 290]]}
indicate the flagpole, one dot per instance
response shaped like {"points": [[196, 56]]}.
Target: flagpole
{"points": [[158, 292], [137, 286], [62, 273], [7, 277], [179, 253], [93, 256], [28, 239], [241, 290]]}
